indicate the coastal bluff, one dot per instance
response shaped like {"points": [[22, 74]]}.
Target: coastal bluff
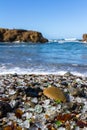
{"points": [[85, 37], [21, 35]]}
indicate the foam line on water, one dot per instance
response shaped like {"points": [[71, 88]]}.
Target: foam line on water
{"points": [[22, 71]]}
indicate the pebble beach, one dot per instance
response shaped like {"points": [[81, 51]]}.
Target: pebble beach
{"points": [[43, 102], [43, 65]]}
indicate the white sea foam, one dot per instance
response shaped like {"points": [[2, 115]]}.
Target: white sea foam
{"points": [[18, 70], [70, 39], [13, 45], [64, 40], [74, 64]]}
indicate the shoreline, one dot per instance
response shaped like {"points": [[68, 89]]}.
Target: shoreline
{"points": [[61, 73], [24, 104]]}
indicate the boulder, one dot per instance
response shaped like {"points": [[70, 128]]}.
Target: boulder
{"points": [[85, 37], [13, 35]]}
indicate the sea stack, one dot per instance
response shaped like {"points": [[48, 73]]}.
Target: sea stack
{"points": [[85, 37], [21, 35]]}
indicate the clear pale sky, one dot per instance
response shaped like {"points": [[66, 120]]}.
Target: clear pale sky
{"points": [[54, 18]]}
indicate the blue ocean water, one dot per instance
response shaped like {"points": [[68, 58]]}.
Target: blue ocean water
{"points": [[48, 58]]}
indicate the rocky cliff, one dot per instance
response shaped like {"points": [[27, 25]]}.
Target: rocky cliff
{"points": [[12, 35], [85, 37]]}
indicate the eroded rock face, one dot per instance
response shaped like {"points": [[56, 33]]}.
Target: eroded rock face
{"points": [[12, 35], [85, 37]]}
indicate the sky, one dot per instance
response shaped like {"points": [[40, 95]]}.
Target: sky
{"points": [[55, 19]]}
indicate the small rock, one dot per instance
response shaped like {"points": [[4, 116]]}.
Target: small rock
{"points": [[77, 128], [38, 108], [73, 91], [72, 106], [27, 115], [81, 124], [26, 124], [34, 100], [12, 92], [18, 113], [4, 109], [54, 93], [65, 117], [61, 128], [65, 83], [7, 128], [33, 92], [78, 99]]}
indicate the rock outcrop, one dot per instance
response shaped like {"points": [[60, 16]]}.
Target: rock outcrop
{"points": [[12, 35], [85, 37]]}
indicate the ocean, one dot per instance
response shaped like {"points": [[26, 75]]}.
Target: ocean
{"points": [[49, 58]]}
